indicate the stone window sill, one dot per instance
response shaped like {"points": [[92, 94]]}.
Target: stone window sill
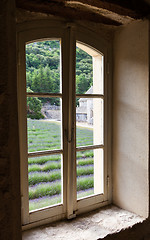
{"points": [[94, 225]]}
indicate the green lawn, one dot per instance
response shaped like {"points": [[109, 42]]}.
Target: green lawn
{"points": [[45, 172]]}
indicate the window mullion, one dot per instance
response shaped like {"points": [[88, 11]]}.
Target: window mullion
{"points": [[90, 147], [45, 153], [90, 96], [44, 95], [70, 133]]}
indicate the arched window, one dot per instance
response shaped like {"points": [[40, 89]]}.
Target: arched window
{"points": [[65, 150]]}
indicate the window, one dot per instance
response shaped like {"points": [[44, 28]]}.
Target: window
{"points": [[64, 124]]}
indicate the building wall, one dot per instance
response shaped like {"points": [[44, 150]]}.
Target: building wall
{"points": [[130, 118], [10, 199], [10, 223]]}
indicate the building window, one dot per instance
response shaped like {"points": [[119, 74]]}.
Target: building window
{"points": [[64, 127]]}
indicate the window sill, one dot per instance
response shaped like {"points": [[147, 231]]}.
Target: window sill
{"points": [[94, 225]]}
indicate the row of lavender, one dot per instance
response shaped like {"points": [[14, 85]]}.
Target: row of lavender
{"points": [[45, 178]]}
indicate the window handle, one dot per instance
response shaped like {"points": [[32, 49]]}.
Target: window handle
{"points": [[69, 140]]}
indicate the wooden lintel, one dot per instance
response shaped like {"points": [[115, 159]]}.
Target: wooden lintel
{"points": [[69, 12], [110, 12]]}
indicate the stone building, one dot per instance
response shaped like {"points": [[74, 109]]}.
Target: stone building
{"points": [[125, 25], [84, 112]]}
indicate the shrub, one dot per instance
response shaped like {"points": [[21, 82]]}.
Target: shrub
{"points": [[34, 106]]}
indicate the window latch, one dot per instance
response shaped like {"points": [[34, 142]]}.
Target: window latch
{"points": [[69, 139]]}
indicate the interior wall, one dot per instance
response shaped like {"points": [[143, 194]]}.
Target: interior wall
{"points": [[130, 117], [10, 220], [130, 121]]}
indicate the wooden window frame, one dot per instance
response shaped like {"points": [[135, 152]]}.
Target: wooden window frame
{"points": [[69, 34]]}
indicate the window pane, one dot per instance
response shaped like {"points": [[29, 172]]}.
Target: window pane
{"points": [[43, 67], [85, 171], [89, 121], [89, 70], [44, 124], [89, 172], [45, 180]]}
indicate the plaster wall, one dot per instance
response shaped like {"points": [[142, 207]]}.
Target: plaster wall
{"points": [[130, 117]]}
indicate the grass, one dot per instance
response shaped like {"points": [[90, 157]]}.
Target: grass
{"points": [[44, 202], [44, 159], [47, 135], [88, 192], [85, 154], [49, 201], [46, 189], [39, 167], [45, 167], [84, 171], [43, 135], [45, 171], [85, 183], [84, 136], [39, 177], [85, 162]]}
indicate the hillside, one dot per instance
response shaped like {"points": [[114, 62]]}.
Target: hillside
{"points": [[43, 68]]}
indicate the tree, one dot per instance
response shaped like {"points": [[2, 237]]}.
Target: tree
{"points": [[43, 69], [34, 106], [82, 85]]}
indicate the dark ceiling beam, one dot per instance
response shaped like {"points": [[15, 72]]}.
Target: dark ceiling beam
{"points": [[58, 8], [113, 6], [109, 12], [140, 7], [82, 6]]}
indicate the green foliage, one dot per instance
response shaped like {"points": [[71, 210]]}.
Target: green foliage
{"points": [[85, 162], [44, 202], [85, 183], [37, 177], [85, 154], [43, 69], [48, 201], [84, 71], [85, 170], [82, 83], [45, 171], [33, 107], [44, 168], [37, 166], [45, 189], [43, 135], [43, 159]]}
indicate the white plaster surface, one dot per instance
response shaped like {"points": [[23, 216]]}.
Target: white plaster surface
{"points": [[91, 226], [130, 118]]}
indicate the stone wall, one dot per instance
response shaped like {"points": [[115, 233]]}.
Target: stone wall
{"points": [[10, 220], [9, 142]]}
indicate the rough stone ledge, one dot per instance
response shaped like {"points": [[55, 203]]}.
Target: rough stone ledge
{"points": [[91, 226]]}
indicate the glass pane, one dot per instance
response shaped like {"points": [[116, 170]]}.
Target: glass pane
{"points": [[89, 70], [89, 122], [43, 67], [45, 181], [44, 124], [89, 172]]}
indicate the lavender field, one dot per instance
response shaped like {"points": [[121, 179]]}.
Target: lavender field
{"points": [[45, 172]]}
